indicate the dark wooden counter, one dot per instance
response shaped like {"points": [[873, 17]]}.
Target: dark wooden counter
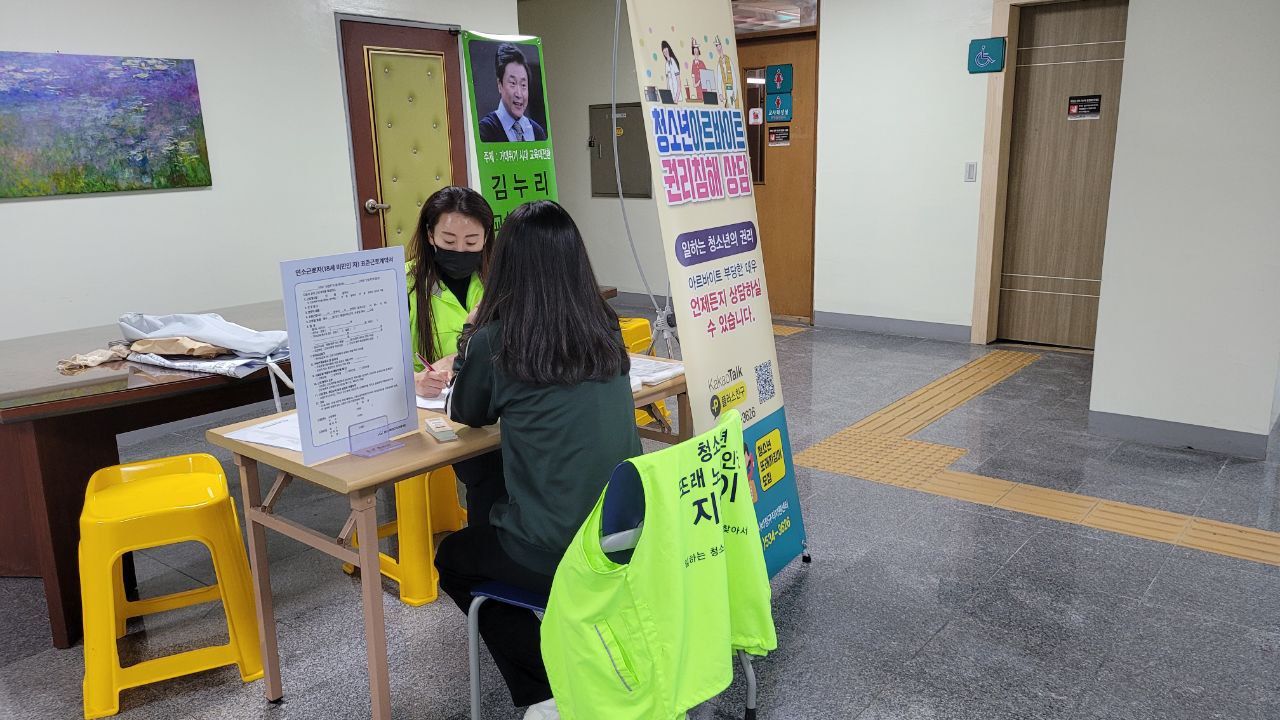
{"points": [[56, 430]]}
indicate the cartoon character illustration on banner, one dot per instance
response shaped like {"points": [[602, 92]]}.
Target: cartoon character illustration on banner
{"points": [[672, 68], [725, 63], [749, 458], [697, 73]]}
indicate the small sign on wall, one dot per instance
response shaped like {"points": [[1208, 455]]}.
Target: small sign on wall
{"points": [[1084, 107], [755, 116], [779, 108], [986, 55], [779, 136], [778, 79]]}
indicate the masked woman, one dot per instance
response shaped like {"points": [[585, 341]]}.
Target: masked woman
{"points": [[447, 258]]}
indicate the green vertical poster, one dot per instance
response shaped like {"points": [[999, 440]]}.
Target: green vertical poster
{"points": [[511, 125]]}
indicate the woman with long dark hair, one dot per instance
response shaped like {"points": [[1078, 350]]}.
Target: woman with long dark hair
{"points": [[448, 255], [546, 357], [672, 64]]}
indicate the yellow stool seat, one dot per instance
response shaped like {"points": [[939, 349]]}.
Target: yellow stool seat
{"points": [[425, 505], [147, 497], [148, 504]]}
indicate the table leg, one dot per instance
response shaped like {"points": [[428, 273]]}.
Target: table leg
{"points": [[684, 413], [365, 506], [47, 464], [251, 488]]}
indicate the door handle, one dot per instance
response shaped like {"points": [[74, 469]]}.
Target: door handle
{"points": [[372, 206]]}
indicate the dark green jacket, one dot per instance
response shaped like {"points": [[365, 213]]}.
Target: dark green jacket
{"points": [[560, 443]]}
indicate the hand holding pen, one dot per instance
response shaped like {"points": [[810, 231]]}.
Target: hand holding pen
{"points": [[432, 381]]}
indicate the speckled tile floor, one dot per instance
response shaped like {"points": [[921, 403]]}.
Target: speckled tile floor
{"points": [[916, 605]]}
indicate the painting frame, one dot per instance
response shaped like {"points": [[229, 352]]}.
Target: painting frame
{"points": [[86, 124]]}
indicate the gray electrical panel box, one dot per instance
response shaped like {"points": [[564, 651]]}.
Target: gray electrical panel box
{"points": [[633, 152]]}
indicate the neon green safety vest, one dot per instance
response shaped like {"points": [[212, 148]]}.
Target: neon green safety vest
{"points": [[654, 637], [447, 314]]}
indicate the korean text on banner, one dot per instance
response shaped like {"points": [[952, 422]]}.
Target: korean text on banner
{"points": [[348, 322], [687, 69], [511, 124]]}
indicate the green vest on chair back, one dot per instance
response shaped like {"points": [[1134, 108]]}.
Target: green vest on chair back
{"points": [[649, 639]]}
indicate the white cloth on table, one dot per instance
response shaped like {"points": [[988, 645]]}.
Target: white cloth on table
{"points": [[252, 349], [206, 327]]}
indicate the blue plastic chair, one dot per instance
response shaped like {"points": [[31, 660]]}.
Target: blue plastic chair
{"points": [[621, 522]]}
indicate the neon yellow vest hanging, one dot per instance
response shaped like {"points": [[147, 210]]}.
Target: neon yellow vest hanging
{"points": [[654, 637]]}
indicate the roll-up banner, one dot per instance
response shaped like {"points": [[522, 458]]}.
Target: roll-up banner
{"points": [[511, 125], [687, 68]]}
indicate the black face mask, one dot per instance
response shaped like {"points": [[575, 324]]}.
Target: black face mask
{"points": [[457, 265]]}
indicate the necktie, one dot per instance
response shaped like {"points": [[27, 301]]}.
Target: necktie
{"points": [[519, 131]]}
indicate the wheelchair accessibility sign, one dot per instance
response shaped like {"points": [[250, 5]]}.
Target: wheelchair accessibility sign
{"points": [[986, 55]]}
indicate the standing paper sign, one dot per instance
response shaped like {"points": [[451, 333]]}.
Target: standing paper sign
{"points": [[699, 161], [348, 322], [511, 128]]}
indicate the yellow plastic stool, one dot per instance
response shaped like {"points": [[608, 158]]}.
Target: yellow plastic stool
{"points": [[425, 504], [637, 335], [148, 504]]}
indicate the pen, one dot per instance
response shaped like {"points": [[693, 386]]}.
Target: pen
{"points": [[424, 362]]}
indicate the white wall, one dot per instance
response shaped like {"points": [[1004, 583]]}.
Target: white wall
{"points": [[1275, 401], [276, 125], [1188, 326], [898, 116], [577, 41]]}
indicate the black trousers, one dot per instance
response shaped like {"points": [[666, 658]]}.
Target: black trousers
{"points": [[473, 556], [483, 479]]}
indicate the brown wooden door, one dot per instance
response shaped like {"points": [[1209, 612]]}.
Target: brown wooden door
{"points": [[785, 193], [1070, 58], [404, 97]]}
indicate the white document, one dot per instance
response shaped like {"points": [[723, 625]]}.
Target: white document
{"points": [[653, 372], [348, 320], [435, 403], [280, 432]]}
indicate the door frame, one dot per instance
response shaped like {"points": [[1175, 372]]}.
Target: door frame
{"points": [[997, 138], [785, 34], [452, 29]]}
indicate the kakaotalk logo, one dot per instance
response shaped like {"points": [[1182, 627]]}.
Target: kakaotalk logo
{"points": [[720, 381]]}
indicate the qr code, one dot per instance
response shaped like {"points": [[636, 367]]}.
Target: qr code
{"points": [[765, 388]]}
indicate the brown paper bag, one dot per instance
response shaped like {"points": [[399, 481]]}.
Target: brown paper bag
{"points": [[178, 346]]}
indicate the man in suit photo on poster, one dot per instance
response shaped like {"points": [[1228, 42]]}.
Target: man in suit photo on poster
{"points": [[520, 112]]}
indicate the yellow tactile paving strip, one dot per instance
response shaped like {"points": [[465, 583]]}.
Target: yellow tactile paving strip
{"points": [[916, 411], [876, 448], [785, 330], [882, 458]]}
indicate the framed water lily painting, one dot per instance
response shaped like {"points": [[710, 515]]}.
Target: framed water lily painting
{"points": [[92, 123]]}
